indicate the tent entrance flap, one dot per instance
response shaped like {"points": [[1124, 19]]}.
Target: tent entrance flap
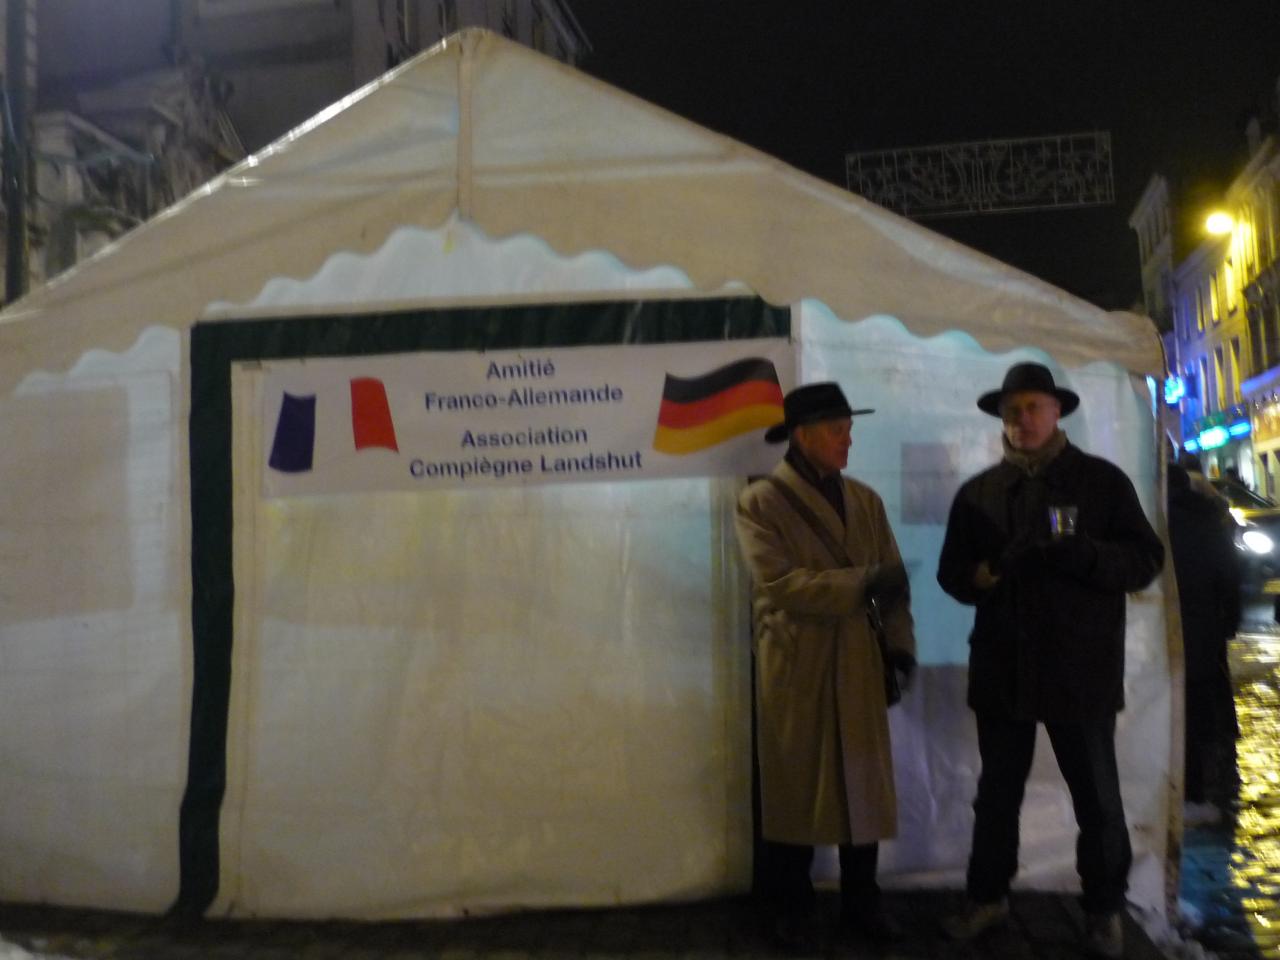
{"points": [[217, 347]]}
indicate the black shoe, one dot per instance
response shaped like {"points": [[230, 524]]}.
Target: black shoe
{"points": [[870, 923], [976, 919]]}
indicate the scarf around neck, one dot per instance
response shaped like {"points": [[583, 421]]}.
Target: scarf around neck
{"points": [[1032, 462]]}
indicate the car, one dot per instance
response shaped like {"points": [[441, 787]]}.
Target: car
{"points": [[1258, 539]]}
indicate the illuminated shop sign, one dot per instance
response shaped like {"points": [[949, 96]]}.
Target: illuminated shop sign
{"points": [[1175, 388], [1213, 438], [1218, 429], [1217, 436]]}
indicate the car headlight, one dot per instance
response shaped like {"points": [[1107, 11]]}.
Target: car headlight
{"points": [[1257, 541]]}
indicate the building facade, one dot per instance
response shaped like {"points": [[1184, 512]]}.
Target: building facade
{"points": [[1216, 296], [136, 104]]}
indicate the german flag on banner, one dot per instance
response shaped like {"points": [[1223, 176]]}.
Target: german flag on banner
{"points": [[699, 412]]}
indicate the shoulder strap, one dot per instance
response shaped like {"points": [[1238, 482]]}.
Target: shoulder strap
{"points": [[833, 545]]}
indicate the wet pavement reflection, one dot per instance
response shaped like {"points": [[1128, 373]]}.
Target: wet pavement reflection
{"points": [[1231, 870]]}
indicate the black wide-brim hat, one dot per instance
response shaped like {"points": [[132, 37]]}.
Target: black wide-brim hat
{"points": [[810, 404], [1024, 378]]}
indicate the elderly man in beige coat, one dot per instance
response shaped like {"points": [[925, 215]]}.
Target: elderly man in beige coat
{"points": [[824, 564]]}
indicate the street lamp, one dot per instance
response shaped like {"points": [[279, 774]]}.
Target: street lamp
{"points": [[1219, 223]]}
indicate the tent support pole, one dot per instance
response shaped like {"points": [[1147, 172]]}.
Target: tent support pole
{"points": [[15, 150], [465, 59]]}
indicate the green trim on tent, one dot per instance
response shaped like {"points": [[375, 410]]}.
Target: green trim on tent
{"points": [[215, 346]]}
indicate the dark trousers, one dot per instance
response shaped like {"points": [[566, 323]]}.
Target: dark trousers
{"points": [[1210, 718], [1086, 754], [787, 890]]}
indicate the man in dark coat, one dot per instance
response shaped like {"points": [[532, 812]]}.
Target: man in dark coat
{"points": [[1045, 545], [1208, 571]]}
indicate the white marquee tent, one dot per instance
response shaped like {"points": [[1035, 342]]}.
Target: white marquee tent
{"points": [[510, 697]]}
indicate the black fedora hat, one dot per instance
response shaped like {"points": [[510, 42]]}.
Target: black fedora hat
{"points": [[1028, 377], [809, 404]]}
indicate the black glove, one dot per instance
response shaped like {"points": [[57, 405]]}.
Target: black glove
{"points": [[1020, 555], [1075, 555], [886, 583], [905, 664]]}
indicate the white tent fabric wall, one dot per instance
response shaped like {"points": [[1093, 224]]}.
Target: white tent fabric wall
{"points": [[483, 700], [477, 700], [95, 669], [881, 364]]}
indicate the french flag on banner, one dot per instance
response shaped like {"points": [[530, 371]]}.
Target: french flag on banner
{"points": [[294, 445], [371, 415]]}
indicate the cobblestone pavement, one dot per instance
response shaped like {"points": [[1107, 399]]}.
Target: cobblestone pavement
{"points": [[1043, 927], [1230, 890], [1231, 870]]}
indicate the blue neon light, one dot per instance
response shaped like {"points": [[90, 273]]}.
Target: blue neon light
{"points": [[1191, 446], [1175, 388], [1240, 428], [1213, 438]]}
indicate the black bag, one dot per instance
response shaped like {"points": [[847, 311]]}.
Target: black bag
{"points": [[892, 686]]}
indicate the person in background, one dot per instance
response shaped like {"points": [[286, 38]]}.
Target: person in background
{"points": [[1190, 462], [1208, 571], [822, 555], [1045, 545]]}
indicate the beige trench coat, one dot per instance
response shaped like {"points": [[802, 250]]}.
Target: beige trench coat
{"points": [[826, 770]]}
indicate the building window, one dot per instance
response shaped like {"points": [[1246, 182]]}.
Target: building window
{"points": [[404, 24], [1235, 370], [1214, 303], [539, 39], [212, 9], [1271, 330], [1199, 310], [447, 14], [1220, 380], [1259, 347], [1205, 395], [1249, 240]]}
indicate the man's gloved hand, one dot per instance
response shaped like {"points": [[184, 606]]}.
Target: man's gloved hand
{"points": [[1020, 555], [1075, 555], [905, 664], [886, 583]]}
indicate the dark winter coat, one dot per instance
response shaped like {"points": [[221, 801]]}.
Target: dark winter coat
{"points": [[1048, 638], [1208, 572]]}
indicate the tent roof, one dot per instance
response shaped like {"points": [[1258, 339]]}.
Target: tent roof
{"points": [[518, 143]]}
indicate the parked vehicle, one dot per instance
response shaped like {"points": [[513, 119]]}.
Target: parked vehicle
{"points": [[1257, 538]]}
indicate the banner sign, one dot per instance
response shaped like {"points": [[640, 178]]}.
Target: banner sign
{"points": [[417, 421]]}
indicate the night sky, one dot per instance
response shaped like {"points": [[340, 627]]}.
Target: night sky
{"points": [[810, 80]]}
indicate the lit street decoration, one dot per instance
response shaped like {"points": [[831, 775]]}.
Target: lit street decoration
{"points": [[987, 176]]}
